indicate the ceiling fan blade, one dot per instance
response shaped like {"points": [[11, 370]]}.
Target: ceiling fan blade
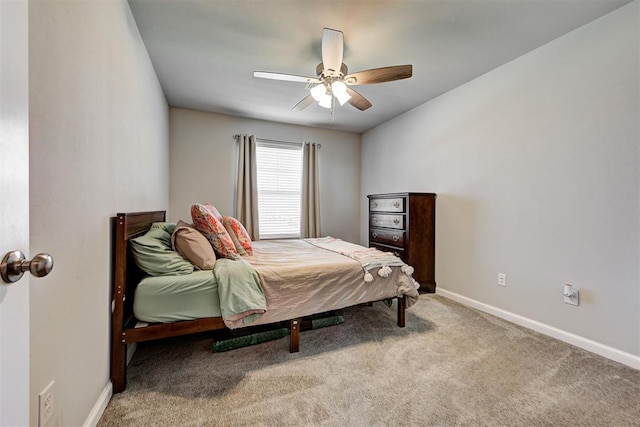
{"points": [[284, 77], [304, 103], [357, 100], [380, 75], [332, 50]]}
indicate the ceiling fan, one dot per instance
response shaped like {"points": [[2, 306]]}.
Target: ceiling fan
{"points": [[333, 81]]}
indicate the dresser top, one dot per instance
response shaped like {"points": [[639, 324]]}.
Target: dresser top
{"points": [[385, 195]]}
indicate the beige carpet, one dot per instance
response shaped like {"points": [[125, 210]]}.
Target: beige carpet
{"points": [[451, 365]]}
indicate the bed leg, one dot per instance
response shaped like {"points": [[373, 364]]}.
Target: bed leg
{"points": [[294, 338], [119, 367], [402, 304]]}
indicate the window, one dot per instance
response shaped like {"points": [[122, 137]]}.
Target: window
{"points": [[279, 170]]}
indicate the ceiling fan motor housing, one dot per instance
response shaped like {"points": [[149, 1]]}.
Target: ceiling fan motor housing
{"points": [[320, 72]]}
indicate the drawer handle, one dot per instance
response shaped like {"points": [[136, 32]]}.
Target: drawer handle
{"points": [[396, 221], [396, 204], [374, 234], [374, 204], [395, 239]]}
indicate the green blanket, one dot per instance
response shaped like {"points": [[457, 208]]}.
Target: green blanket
{"points": [[242, 299]]}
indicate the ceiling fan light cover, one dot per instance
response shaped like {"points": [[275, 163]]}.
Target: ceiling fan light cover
{"points": [[319, 92], [343, 98], [338, 87], [325, 102], [339, 90]]}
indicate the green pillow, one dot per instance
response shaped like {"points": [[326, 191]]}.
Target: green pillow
{"points": [[153, 254], [169, 227]]}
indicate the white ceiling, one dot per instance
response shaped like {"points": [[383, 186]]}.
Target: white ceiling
{"points": [[205, 51]]}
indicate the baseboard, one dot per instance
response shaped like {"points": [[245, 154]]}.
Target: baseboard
{"points": [[620, 356], [99, 407], [105, 396]]}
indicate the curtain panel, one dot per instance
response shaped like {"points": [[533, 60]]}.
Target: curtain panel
{"points": [[310, 221], [247, 186]]}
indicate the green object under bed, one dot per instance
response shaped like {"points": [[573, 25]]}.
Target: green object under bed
{"points": [[252, 338]]}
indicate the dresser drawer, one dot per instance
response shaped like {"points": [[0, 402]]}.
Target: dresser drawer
{"points": [[387, 205], [399, 252], [386, 237], [388, 221]]}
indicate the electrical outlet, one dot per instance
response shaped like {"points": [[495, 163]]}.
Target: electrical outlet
{"points": [[46, 405], [502, 279], [571, 295]]}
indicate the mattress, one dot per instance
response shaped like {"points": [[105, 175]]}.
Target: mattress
{"points": [[162, 299]]}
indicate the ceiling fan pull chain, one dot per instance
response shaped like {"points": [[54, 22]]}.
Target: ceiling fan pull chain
{"points": [[333, 109]]}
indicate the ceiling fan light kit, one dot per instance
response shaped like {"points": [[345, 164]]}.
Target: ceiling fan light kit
{"points": [[324, 93], [332, 81]]}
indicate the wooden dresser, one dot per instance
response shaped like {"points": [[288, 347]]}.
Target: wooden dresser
{"points": [[405, 223]]}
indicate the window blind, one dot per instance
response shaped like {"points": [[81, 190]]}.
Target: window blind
{"points": [[279, 170]]}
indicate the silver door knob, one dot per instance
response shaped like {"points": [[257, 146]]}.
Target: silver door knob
{"points": [[14, 265]]}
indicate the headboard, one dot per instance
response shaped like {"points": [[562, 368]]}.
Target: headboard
{"points": [[126, 273], [126, 276]]}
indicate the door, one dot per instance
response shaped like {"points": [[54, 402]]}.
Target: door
{"points": [[14, 210]]}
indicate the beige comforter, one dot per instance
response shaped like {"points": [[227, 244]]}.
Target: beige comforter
{"points": [[300, 279]]}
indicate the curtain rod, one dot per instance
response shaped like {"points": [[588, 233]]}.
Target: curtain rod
{"points": [[235, 136]]}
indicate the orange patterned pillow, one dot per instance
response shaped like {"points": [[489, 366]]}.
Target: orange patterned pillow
{"points": [[234, 226], [213, 211], [234, 239], [206, 221]]}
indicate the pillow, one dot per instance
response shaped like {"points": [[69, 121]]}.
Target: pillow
{"points": [[236, 242], [191, 244], [234, 237], [213, 211], [153, 254], [211, 227], [169, 227], [238, 234]]}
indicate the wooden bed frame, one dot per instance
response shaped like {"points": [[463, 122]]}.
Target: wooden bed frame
{"points": [[127, 275]]}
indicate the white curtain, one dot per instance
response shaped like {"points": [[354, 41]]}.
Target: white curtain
{"points": [[247, 186], [310, 224]]}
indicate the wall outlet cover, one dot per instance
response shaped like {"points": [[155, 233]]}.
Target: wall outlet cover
{"points": [[571, 295], [46, 405], [502, 279]]}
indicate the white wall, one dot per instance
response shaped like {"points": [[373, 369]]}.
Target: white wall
{"points": [[536, 166], [99, 145], [203, 161]]}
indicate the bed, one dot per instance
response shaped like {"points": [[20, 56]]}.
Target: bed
{"points": [[150, 308]]}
